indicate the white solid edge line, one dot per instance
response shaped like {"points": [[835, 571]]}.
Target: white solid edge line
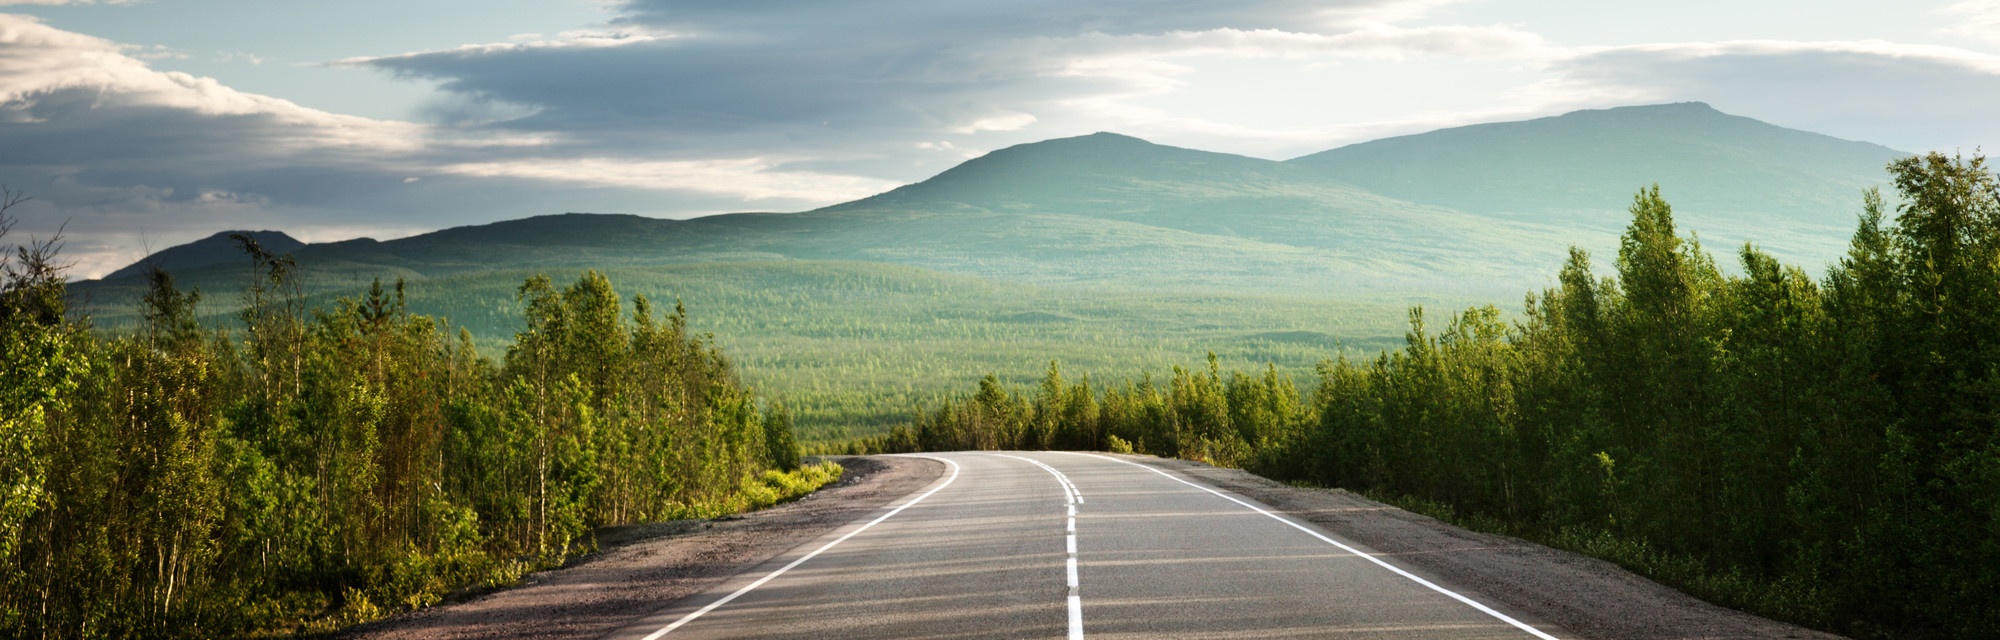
{"points": [[767, 578], [1371, 558]]}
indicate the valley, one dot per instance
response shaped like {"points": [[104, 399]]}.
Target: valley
{"points": [[1113, 253]]}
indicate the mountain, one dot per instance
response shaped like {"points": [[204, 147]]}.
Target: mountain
{"points": [[1097, 172], [1196, 218], [1484, 211], [1725, 175], [218, 249], [1117, 255]]}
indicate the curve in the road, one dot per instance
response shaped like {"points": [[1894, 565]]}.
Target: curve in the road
{"points": [[1071, 498]]}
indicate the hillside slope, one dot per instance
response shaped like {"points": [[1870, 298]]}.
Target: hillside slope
{"points": [[217, 249], [1118, 254], [1729, 177]]}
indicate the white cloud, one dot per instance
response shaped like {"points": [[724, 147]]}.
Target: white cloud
{"points": [[39, 63], [688, 105], [1003, 122], [748, 179], [577, 39], [1377, 42], [1976, 19], [124, 155], [153, 52]]}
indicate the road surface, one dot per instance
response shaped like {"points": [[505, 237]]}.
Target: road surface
{"points": [[1065, 545]]}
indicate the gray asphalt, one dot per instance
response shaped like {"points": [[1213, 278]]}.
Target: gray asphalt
{"points": [[983, 554]]}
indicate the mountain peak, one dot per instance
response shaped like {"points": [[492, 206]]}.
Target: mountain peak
{"points": [[1068, 170], [1689, 113], [1100, 142], [1101, 137], [215, 249], [1669, 107]]}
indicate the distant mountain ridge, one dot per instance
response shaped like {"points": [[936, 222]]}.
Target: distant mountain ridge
{"points": [[1592, 160], [213, 250], [1113, 253], [1482, 210], [1091, 170]]}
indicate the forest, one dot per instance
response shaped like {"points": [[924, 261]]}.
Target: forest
{"points": [[301, 468], [1819, 451], [849, 347]]}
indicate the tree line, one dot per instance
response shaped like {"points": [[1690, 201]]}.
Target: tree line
{"points": [[1821, 451], [304, 468]]}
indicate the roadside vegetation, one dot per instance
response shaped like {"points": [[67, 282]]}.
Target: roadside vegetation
{"points": [[1819, 451], [303, 468], [849, 347]]}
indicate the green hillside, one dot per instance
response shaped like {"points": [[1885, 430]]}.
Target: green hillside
{"points": [[853, 346], [1196, 219], [1115, 253], [216, 249], [1730, 178]]}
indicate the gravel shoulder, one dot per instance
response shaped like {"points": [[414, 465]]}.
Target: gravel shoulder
{"points": [[1590, 597], [642, 568]]}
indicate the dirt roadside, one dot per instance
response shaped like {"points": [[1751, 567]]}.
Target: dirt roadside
{"points": [[1590, 597], [641, 568]]}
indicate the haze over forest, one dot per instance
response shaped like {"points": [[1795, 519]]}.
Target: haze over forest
{"points": [[1116, 253]]}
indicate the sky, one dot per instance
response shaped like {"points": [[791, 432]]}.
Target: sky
{"points": [[135, 125]]}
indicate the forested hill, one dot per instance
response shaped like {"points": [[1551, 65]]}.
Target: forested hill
{"points": [[1465, 211], [1731, 177], [217, 249], [1088, 174], [1141, 254]]}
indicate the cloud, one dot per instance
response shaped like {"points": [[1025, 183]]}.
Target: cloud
{"points": [[751, 179], [863, 83], [990, 20], [118, 151], [57, 78], [679, 107], [1975, 18]]}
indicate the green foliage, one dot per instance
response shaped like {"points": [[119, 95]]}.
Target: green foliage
{"points": [[43, 360], [313, 466], [1116, 444], [1823, 452], [1198, 416], [781, 447], [851, 347]]}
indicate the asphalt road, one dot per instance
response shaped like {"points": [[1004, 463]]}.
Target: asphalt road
{"points": [[1040, 545]]}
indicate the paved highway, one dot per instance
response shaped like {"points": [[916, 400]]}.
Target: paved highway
{"points": [[1064, 545]]}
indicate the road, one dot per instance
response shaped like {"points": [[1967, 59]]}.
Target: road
{"points": [[1063, 545]]}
